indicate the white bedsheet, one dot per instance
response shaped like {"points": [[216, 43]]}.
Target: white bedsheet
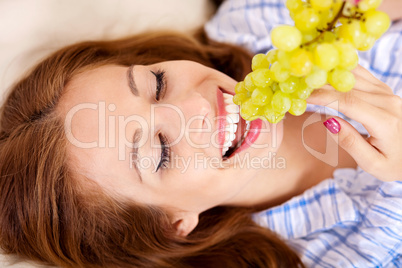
{"points": [[31, 29]]}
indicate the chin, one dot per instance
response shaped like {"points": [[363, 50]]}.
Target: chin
{"points": [[269, 139]]}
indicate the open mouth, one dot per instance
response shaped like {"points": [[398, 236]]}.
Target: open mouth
{"points": [[235, 133], [234, 125]]}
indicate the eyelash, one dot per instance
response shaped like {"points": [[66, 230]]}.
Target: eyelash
{"points": [[160, 93], [165, 152], [160, 84]]}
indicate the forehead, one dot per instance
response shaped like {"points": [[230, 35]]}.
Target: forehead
{"points": [[85, 93], [85, 109], [94, 85]]}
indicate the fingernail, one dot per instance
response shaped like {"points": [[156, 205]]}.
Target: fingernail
{"points": [[332, 125]]}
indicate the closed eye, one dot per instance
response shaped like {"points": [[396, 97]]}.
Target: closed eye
{"points": [[165, 152], [160, 84]]}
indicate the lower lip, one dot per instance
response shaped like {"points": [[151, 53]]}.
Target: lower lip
{"points": [[221, 118], [253, 133]]}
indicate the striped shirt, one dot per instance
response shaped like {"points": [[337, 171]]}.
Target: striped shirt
{"points": [[352, 219]]}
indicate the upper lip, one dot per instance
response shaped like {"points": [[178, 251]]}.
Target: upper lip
{"points": [[221, 119]]}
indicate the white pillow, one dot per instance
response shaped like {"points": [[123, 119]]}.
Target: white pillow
{"points": [[30, 30]]}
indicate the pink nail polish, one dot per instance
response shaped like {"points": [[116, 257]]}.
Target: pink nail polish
{"points": [[332, 125]]}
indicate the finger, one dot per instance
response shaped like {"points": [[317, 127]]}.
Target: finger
{"points": [[366, 81], [365, 86], [391, 103], [366, 74], [351, 141], [370, 116]]}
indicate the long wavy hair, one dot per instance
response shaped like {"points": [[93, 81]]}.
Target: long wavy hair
{"points": [[48, 215]]}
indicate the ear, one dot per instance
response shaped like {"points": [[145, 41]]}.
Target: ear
{"points": [[185, 222]]}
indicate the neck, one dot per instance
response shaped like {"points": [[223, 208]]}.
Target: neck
{"points": [[295, 167], [274, 184]]}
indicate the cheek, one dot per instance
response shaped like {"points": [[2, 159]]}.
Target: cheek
{"points": [[276, 136], [192, 189], [269, 139]]}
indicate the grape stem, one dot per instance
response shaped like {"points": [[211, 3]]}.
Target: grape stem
{"points": [[330, 26]]}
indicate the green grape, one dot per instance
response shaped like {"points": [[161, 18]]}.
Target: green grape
{"points": [[326, 16], [281, 102], [328, 37], [240, 88], [261, 96], [301, 62], [343, 21], [306, 20], [271, 115], [261, 77], [320, 5], [348, 58], [298, 107], [376, 23], [336, 7], [317, 78], [367, 42], [275, 87], [302, 93], [259, 62], [248, 110], [293, 5], [351, 32], [326, 56], [280, 74], [284, 58], [286, 37], [248, 82], [292, 14], [309, 36], [342, 80], [321, 48], [272, 56], [239, 98], [349, 10], [366, 5], [290, 85]]}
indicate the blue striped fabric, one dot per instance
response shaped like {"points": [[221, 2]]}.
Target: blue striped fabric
{"points": [[352, 220]]}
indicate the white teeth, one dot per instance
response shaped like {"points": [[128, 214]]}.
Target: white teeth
{"points": [[229, 136], [227, 145], [231, 127], [247, 129], [232, 108], [247, 125], [232, 118], [228, 96]]}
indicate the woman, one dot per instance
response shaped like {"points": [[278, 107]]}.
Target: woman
{"points": [[106, 163], [54, 210]]}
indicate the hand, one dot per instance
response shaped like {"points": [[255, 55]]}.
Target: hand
{"points": [[373, 104]]}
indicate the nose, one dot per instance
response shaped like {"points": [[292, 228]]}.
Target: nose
{"points": [[191, 113], [196, 106]]}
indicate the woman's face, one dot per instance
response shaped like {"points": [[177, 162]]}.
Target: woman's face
{"points": [[157, 134]]}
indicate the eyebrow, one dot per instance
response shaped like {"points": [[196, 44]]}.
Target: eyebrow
{"points": [[131, 82], [136, 139]]}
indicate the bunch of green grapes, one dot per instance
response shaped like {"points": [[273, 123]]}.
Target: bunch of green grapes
{"points": [[321, 48]]}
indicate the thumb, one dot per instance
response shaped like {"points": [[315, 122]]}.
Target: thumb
{"points": [[353, 142]]}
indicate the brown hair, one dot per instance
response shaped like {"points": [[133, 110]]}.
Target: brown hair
{"points": [[48, 216]]}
